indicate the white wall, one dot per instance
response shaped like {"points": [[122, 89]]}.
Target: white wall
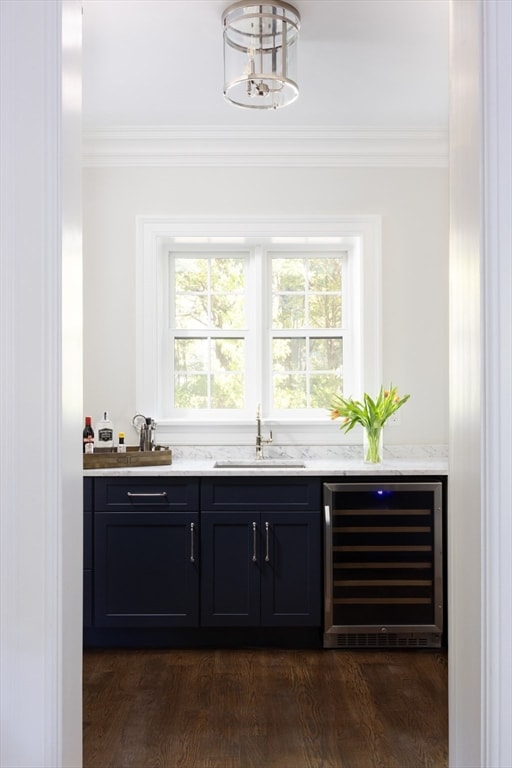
{"points": [[496, 403], [413, 203], [41, 517], [480, 489], [464, 501]]}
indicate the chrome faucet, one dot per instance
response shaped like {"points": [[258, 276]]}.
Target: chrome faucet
{"points": [[260, 441]]}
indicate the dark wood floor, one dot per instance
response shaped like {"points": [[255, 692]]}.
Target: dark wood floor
{"points": [[265, 709]]}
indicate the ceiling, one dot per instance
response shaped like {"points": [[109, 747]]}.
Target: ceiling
{"points": [[373, 63]]}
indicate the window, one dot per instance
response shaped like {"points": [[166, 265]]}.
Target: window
{"points": [[226, 355], [308, 329], [237, 312], [208, 331]]}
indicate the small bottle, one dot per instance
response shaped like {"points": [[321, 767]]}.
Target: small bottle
{"points": [[88, 436], [105, 429], [121, 447]]}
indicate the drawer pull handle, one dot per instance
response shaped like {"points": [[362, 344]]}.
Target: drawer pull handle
{"points": [[267, 546], [254, 558], [192, 532], [163, 494]]}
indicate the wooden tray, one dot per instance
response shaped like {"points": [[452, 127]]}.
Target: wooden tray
{"points": [[104, 458]]}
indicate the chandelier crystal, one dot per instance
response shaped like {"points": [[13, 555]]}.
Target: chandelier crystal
{"points": [[260, 54]]}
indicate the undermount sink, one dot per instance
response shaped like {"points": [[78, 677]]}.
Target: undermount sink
{"points": [[259, 464]]}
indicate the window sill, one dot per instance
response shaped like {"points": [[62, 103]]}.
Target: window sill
{"points": [[284, 432]]}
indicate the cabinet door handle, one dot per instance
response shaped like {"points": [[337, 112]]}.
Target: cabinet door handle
{"points": [[192, 533], [146, 495], [254, 558], [267, 543]]}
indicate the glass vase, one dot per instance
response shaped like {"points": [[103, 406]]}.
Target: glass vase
{"points": [[373, 445]]}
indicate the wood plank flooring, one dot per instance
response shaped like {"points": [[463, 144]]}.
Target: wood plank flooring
{"points": [[265, 708]]}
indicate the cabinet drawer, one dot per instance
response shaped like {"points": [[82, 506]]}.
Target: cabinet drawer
{"points": [[248, 494], [124, 494]]}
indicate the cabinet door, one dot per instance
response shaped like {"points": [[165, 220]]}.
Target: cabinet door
{"points": [[291, 569], [88, 558], [230, 559], [146, 570]]}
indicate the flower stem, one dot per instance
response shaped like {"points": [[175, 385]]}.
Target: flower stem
{"points": [[372, 455]]}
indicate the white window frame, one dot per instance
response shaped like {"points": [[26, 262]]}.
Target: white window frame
{"points": [[157, 235], [349, 321], [165, 363]]}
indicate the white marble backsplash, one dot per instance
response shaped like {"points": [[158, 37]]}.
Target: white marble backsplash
{"points": [[305, 452]]}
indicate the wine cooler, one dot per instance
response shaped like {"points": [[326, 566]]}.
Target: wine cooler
{"points": [[383, 564]]}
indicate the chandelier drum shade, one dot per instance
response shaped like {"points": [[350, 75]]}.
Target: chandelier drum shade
{"points": [[260, 54]]}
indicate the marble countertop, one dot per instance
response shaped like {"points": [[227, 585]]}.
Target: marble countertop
{"points": [[313, 468]]}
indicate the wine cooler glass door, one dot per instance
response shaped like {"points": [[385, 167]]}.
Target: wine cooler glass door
{"points": [[383, 564]]}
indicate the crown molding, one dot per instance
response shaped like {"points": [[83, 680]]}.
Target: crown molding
{"points": [[217, 146]]}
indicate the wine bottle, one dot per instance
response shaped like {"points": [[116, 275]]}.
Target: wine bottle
{"points": [[105, 430], [88, 436]]}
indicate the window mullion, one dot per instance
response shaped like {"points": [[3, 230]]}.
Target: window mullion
{"points": [[255, 367]]}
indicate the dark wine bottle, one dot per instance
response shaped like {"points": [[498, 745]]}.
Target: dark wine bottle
{"points": [[88, 436]]}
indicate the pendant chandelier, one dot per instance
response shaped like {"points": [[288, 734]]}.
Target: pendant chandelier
{"points": [[260, 54]]}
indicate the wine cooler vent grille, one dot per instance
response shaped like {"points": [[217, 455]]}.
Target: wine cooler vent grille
{"points": [[378, 640]]}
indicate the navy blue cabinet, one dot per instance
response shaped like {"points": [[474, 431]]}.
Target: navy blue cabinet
{"points": [[183, 554], [146, 570], [260, 568]]}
